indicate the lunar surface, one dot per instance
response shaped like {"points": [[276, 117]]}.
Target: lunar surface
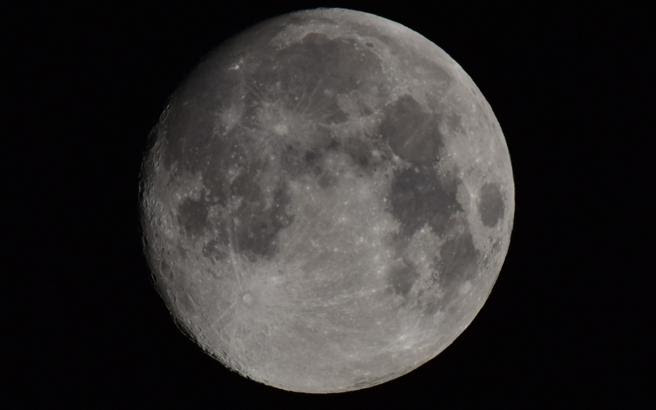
{"points": [[327, 201]]}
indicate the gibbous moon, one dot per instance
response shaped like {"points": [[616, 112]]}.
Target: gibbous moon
{"points": [[327, 201]]}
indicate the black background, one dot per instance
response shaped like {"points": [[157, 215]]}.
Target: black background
{"points": [[566, 325]]}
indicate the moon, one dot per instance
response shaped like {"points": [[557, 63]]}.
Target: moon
{"points": [[327, 201]]}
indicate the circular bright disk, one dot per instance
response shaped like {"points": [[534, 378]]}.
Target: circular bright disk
{"points": [[327, 201]]}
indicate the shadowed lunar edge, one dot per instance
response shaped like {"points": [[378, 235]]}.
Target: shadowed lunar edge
{"points": [[327, 201]]}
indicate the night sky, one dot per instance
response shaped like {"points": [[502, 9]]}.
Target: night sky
{"points": [[566, 324]]}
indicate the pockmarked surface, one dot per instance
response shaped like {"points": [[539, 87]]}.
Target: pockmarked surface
{"points": [[327, 201]]}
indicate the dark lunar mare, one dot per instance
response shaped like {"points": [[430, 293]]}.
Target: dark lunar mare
{"points": [[308, 75], [257, 228], [412, 133], [417, 197], [192, 216], [491, 206]]}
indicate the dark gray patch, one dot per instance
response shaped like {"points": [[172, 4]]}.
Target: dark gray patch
{"points": [[255, 235], [412, 133], [402, 276], [192, 216], [291, 160], [313, 162], [297, 161], [311, 158], [458, 262], [418, 196], [334, 117], [490, 205], [298, 75], [359, 150]]}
